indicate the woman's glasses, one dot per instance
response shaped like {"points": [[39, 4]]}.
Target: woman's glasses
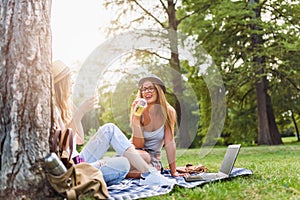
{"points": [[147, 89]]}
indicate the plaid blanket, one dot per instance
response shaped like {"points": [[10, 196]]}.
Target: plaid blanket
{"points": [[131, 189]]}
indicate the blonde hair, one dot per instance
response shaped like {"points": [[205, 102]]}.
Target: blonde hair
{"points": [[62, 102], [162, 100]]}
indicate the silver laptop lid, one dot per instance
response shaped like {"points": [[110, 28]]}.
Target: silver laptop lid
{"points": [[230, 158]]}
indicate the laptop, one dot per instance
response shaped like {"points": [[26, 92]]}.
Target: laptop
{"points": [[225, 169]]}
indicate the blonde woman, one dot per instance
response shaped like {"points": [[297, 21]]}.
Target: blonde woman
{"points": [[114, 169], [155, 127]]}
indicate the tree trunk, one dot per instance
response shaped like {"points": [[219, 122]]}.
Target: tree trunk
{"points": [[184, 140], [26, 97], [267, 129], [296, 127]]}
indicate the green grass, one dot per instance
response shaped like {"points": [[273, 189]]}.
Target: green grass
{"points": [[276, 174]]}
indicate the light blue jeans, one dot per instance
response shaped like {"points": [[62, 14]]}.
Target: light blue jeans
{"points": [[114, 169]]}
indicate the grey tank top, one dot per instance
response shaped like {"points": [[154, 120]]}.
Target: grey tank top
{"points": [[154, 140]]}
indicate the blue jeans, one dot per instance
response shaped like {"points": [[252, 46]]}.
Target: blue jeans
{"points": [[115, 169]]}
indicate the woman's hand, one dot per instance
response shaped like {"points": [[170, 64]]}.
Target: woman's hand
{"points": [[134, 103], [88, 105], [137, 130], [135, 121]]}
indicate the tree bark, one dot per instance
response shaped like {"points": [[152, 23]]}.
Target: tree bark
{"points": [[26, 107], [267, 129]]}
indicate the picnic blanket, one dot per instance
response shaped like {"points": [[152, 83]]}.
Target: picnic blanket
{"points": [[131, 189]]}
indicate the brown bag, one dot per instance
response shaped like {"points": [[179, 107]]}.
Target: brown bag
{"points": [[189, 168], [79, 179]]}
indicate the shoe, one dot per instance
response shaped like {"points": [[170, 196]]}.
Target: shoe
{"points": [[153, 177]]}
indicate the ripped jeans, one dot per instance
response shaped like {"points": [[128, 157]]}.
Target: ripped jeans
{"points": [[113, 169]]}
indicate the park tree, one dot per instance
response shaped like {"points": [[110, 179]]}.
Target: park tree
{"points": [[132, 15], [252, 43], [267, 127], [26, 107]]}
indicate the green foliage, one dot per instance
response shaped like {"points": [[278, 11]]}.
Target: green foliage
{"points": [[226, 30], [203, 96]]}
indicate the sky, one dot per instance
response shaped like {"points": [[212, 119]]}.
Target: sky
{"points": [[77, 29]]}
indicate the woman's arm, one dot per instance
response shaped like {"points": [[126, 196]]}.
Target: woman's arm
{"points": [[137, 136], [137, 129], [75, 123], [170, 145], [76, 126]]}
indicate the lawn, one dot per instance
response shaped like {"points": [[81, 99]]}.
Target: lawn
{"points": [[276, 174]]}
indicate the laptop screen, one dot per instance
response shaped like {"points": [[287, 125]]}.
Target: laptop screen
{"points": [[229, 158]]}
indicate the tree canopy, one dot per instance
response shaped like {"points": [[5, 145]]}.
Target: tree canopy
{"points": [[254, 44]]}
